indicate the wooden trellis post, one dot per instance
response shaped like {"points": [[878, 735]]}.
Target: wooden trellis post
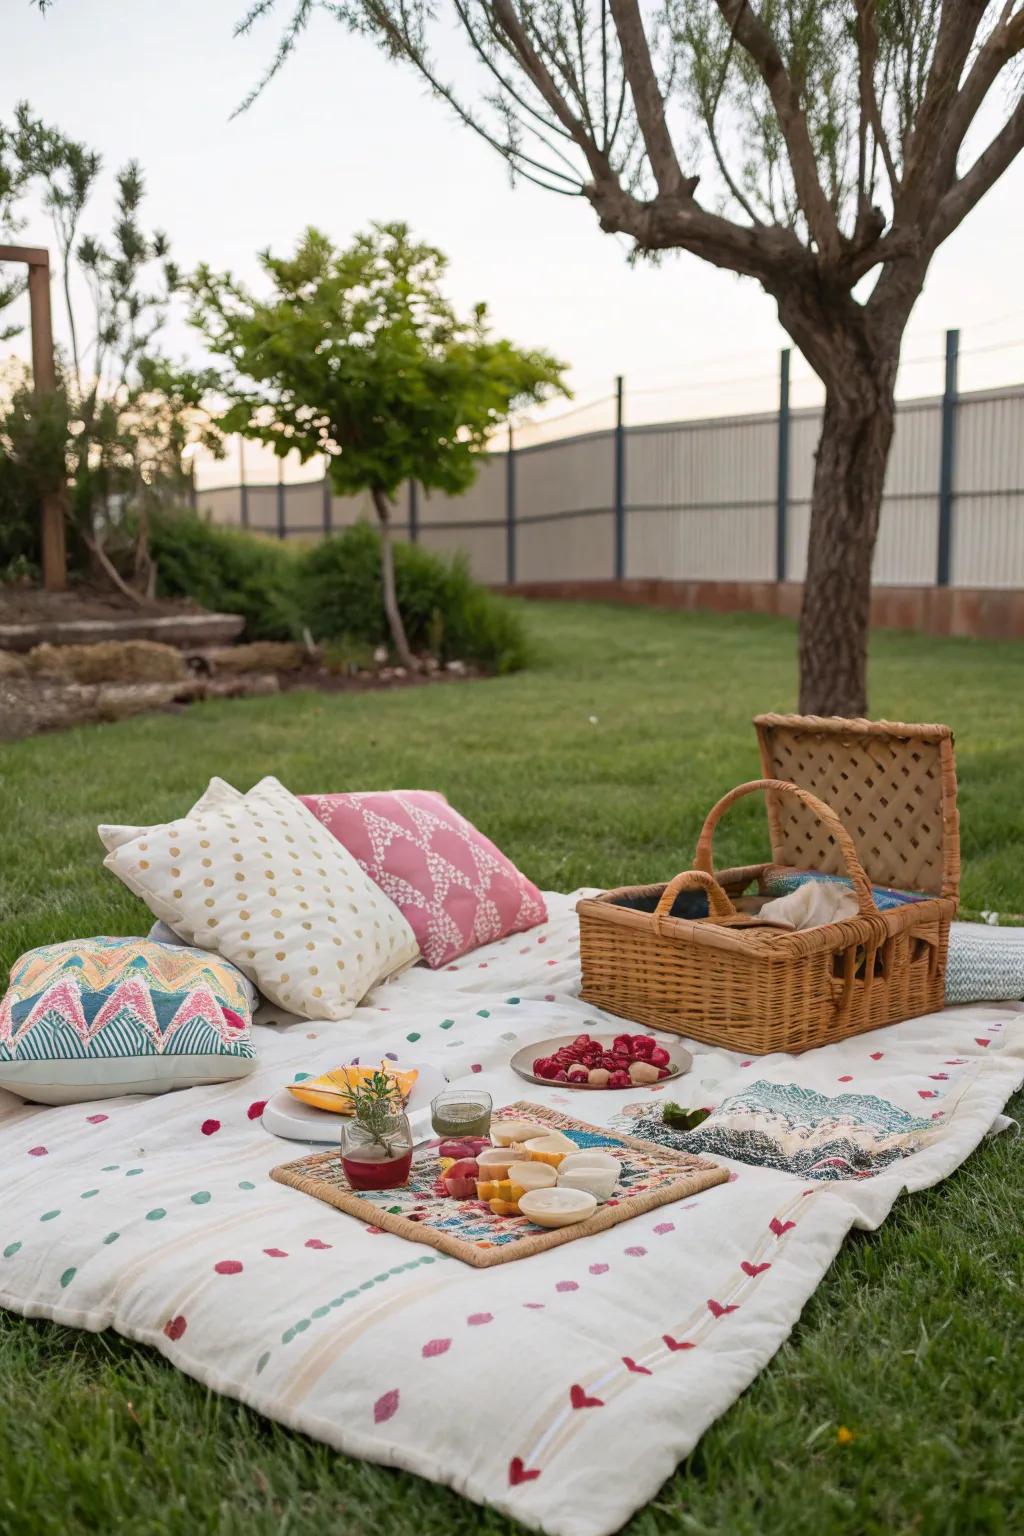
{"points": [[44, 377]]}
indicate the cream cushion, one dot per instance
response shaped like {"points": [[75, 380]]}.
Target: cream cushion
{"points": [[256, 879]]}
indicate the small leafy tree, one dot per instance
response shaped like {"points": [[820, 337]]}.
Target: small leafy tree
{"points": [[128, 413], [825, 148], [357, 355]]}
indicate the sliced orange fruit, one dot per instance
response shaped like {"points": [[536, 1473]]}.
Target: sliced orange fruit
{"points": [[328, 1091]]}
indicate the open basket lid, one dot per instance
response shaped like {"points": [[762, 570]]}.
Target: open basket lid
{"points": [[892, 785]]}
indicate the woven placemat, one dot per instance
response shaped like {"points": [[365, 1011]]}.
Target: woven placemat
{"points": [[468, 1229]]}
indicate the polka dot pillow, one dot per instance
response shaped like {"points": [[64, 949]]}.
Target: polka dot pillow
{"points": [[256, 879]]}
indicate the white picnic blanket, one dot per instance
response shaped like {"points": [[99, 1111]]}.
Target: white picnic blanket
{"points": [[518, 1385]]}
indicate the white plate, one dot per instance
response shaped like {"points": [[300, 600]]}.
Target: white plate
{"points": [[290, 1118], [679, 1061]]}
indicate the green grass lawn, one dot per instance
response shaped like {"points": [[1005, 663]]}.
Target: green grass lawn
{"points": [[594, 768]]}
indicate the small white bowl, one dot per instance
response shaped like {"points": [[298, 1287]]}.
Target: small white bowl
{"points": [[592, 1158], [505, 1132], [557, 1207], [599, 1182]]}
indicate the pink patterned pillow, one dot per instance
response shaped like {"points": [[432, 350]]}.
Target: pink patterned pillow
{"points": [[454, 888]]}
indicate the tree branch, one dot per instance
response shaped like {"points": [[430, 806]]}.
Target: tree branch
{"points": [[983, 174], [534, 66], [958, 28], [757, 40], [648, 99]]}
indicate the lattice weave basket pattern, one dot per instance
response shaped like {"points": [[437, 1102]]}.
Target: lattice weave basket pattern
{"points": [[873, 801]]}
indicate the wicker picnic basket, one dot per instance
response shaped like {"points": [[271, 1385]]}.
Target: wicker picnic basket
{"points": [[871, 800]]}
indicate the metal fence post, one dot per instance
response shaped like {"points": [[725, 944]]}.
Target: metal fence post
{"points": [[510, 509], [281, 528], [620, 483], [947, 460], [782, 469], [414, 512], [328, 508], [243, 505]]}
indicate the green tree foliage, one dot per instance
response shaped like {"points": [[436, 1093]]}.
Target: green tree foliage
{"points": [[357, 355], [128, 413]]}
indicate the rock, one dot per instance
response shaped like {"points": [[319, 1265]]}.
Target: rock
{"points": [[110, 661], [12, 665], [260, 656]]}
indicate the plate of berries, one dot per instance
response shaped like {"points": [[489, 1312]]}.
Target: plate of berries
{"points": [[602, 1061]]}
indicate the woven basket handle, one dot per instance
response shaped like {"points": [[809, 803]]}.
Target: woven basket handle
{"points": [[719, 904], [854, 868]]}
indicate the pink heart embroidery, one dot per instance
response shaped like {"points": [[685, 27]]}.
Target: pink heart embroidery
{"points": [[38, 1151], [939, 1077], [877, 1055], [567, 1285], [228, 1267], [780, 1227], [635, 1252], [435, 1347], [926, 1093], [174, 1328], [846, 1079], [753, 1270], [631, 1365], [477, 1319], [664, 1226], [210, 1127], [579, 1399], [256, 1109], [717, 1310], [599, 1269], [275, 1253], [675, 1344], [386, 1407], [519, 1472], [314, 1242], [534, 1306], [96, 1119], [981, 1042]]}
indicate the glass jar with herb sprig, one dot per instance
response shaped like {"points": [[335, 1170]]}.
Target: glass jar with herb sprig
{"points": [[376, 1141]]}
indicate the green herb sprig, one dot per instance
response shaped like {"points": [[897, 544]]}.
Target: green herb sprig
{"points": [[375, 1101]]}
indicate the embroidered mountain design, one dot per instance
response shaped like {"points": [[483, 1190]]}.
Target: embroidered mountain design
{"points": [[108, 998]]}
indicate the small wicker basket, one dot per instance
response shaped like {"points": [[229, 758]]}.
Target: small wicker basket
{"points": [[873, 800]]}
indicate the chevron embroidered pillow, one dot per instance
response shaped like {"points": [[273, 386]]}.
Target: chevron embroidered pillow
{"points": [[455, 889], [91, 1018]]}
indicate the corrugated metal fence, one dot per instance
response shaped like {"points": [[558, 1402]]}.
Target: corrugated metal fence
{"points": [[705, 501]]}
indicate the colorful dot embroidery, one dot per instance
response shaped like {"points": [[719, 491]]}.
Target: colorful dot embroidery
{"points": [[157, 1214], [49, 1215], [67, 1277], [201, 1197], [11, 1250]]}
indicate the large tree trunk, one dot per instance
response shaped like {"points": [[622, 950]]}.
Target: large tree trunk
{"points": [[849, 474], [387, 567]]}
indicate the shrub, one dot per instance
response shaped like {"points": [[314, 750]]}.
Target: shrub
{"points": [[230, 571], [334, 589], [19, 523], [444, 611]]}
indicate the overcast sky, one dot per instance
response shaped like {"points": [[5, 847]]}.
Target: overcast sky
{"points": [[344, 136]]}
